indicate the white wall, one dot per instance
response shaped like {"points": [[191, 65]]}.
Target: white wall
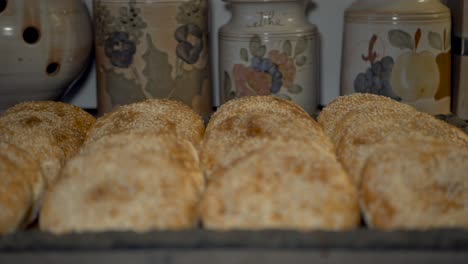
{"points": [[327, 15]]}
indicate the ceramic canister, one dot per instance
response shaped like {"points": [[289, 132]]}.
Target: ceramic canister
{"points": [[269, 47], [44, 46], [459, 9], [152, 49], [400, 49]]}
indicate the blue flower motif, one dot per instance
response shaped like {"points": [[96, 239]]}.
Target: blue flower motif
{"points": [[119, 48]]}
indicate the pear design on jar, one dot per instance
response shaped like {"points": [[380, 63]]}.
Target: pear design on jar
{"points": [[415, 74], [444, 61]]}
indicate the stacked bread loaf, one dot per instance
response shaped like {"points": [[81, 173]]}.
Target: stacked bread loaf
{"points": [[269, 165], [411, 169], [36, 139], [138, 170]]}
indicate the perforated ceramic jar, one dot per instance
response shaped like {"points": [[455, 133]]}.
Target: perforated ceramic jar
{"points": [[153, 49], [269, 47], [400, 49], [44, 46]]}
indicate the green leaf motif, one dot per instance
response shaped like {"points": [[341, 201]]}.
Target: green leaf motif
{"points": [[301, 61], [227, 85], [187, 85], [287, 47], [261, 51], [255, 45], [301, 46], [435, 40], [400, 39], [244, 55], [122, 90], [295, 89], [157, 71]]}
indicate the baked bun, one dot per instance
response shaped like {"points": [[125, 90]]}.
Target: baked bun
{"points": [[67, 115], [162, 116], [135, 181], [20, 189], [332, 115], [263, 104], [281, 185], [371, 123], [257, 117], [366, 129], [51, 131], [415, 183], [409, 166]]}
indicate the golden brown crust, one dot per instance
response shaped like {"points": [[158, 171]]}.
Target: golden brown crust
{"points": [[35, 133], [416, 183], [69, 115], [161, 115], [130, 181], [16, 190], [51, 131], [333, 114], [257, 118], [361, 129], [247, 104], [282, 185]]}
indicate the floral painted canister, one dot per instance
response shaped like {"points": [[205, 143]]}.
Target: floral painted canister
{"points": [[269, 48], [400, 49], [152, 49]]}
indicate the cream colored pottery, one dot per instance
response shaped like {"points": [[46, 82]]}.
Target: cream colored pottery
{"points": [[44, 46], [400, 49], [152, 49], [269, 47]]}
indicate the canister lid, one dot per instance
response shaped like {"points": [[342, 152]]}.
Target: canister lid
{"points": [[397, 10]]}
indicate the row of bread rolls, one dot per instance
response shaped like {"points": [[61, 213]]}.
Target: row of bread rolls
{"points": [[410, 168], [36, 140], [268, 165], [264, 164]]}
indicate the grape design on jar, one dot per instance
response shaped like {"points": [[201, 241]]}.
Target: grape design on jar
{"points": [[119, 35], [267, 72], [377, 78]]}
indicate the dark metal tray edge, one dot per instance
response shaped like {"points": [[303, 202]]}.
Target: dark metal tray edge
{"points": [[434, 240]]}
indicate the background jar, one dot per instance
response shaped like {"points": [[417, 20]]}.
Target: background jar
{"points": [[44, 46], [400, 49], [269, 47], [152, 49]]}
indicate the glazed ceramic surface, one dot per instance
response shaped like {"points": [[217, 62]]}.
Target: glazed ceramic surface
{"points": [[152, 49], [400, 49], [44, 46], [269, 47]]}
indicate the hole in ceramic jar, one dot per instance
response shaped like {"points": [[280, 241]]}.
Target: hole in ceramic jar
{"points": [[31, 35], [53, 68], [3, 5]]}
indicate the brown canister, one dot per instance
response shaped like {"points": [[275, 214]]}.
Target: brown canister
{"points": [[152, 49]]}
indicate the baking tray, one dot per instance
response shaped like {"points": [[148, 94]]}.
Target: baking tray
{"points": [[201, 246]]}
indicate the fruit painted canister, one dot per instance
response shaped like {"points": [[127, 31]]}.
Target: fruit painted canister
{"points": [[269, 48], [152, 49], [400, 49]]}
